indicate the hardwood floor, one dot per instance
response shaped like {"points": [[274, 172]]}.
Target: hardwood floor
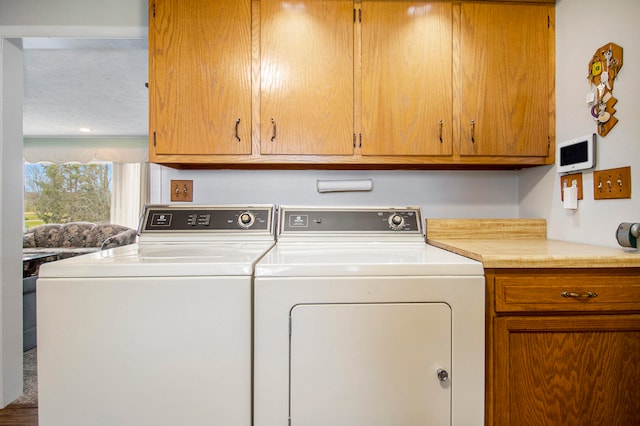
{"points": [[19, 417]]}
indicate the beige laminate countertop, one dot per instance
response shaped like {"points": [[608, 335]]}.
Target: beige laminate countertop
{"points": [[521, 243]]}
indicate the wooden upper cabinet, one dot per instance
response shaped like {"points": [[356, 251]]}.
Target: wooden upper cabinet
{"points": [[306, 77], [200, 77], [406, 78], [505, 72], [351, 83]]}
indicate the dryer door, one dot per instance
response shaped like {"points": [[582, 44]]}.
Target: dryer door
{"points": [[370, 364]]}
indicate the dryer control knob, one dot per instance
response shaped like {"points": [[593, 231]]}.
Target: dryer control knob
{"points": [[396, 221], [246, 219]]}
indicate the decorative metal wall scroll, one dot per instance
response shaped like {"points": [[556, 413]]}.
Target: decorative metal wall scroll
{"points": [[603, 69]]}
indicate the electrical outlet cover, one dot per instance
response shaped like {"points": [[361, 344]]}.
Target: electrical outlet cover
{"points": [[567, 180]]}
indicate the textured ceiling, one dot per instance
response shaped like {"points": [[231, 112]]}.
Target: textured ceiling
{"points": [[96, 84]]}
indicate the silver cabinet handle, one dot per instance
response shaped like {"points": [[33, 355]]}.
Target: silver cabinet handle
{"points": [[273, 130], [574, 295], [236, 135]]}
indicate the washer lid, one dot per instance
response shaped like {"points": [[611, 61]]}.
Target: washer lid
{"points": [[162, 260], [363, 259]]}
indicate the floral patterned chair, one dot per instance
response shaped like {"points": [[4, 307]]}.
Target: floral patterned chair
{"points": [[76, 237]]}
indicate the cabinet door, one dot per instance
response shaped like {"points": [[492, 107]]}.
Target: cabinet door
{"points": [[577, 370], [306, 90], [370, 364], [200, 77], [504, 68], [406, 78]]}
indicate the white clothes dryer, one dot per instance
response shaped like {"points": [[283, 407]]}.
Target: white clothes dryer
{"points": [[158, 332], [359, 322]]}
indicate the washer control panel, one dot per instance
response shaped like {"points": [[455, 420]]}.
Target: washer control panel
{"points": [[363, 220], [206, 218]]}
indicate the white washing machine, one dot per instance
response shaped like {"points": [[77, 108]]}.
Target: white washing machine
{"points": [[358, 322], [154, 333]]}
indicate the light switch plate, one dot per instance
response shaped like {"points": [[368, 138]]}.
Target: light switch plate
{"points": [[612, 183], [182, 190]]}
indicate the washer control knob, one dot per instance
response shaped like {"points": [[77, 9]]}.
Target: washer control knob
{"points": [[396, 221], [246, 219]]}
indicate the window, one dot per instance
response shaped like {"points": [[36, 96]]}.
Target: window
{"points": [[99, 193], [61, 193], [103, 180]]}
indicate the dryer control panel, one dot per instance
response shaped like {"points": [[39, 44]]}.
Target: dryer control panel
{"points": [[364, 220], [179, 219]]}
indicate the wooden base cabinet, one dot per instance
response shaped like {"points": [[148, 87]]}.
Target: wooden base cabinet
{"points": [[572, 357]]}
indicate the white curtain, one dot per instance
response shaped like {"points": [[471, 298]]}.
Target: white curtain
{"points": [[129, 192]]}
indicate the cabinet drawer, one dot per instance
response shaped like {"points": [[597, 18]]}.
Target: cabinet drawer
{"points": [[567, 293]]}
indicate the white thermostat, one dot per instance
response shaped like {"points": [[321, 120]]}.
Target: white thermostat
{"points": [[576, 154]]}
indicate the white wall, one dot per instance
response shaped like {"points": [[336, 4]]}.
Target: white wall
{"points": [[10, 220], [73, 18], [452, 194], [582, 26]]}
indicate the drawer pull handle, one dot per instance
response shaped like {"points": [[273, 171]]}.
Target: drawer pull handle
{"points": [[587, 295]]}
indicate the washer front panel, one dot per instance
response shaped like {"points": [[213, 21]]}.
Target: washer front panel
{"points": [[159, 351]]}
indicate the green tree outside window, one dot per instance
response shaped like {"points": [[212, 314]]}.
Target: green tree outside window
{"points": [[62, 193]]}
